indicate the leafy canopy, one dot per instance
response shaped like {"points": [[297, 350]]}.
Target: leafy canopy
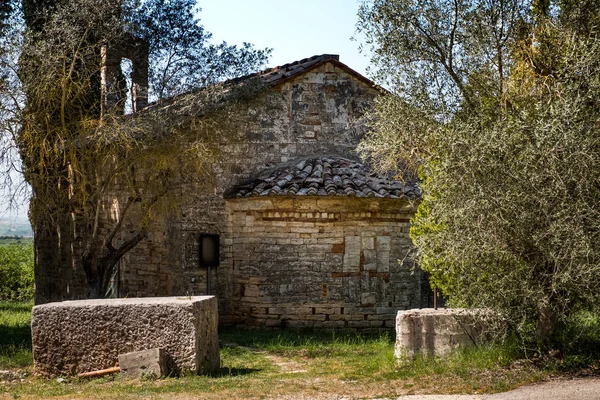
{"points": [[100, 179], [496, 107]]}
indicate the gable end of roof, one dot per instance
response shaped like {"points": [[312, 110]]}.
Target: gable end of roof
{"points": [[279, 75]]}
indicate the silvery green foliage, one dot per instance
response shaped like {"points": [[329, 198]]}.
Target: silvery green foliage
{"points": [[182, 56], [510, 168], [441, 54]]}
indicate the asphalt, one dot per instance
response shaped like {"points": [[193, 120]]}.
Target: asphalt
{"points": [[559, 389]]}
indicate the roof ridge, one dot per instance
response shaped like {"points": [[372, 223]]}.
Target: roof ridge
{"points": [[277, 75], [319, 58]]}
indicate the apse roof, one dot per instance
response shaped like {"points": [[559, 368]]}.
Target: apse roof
{"points": [[326, 176]]}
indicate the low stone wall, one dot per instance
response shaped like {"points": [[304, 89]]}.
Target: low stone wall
{"points": [[87, 335], [437, 332]]}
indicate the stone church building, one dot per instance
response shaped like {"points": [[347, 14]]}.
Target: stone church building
{"points": [[298, 232]]}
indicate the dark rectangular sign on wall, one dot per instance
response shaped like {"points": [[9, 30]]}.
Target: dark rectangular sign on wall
{"points": [[209, 250]]}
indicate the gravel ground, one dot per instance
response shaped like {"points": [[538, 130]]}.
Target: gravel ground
{"points": [[559, 389]]}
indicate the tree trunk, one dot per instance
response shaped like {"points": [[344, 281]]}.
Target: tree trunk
{"points": [[546, 324], [98, 273]]}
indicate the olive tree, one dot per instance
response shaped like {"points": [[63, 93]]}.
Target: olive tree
{"points": [[81, 157], [509, 170]]}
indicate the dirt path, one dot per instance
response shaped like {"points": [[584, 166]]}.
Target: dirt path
{"points": [[559, 389]]}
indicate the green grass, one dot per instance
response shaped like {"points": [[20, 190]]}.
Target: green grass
{"points": [[258, 364], [15, 335], [350, 355], [577, 343]]}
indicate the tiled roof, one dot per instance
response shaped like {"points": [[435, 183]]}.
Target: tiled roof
{"points": [[325, 176], [270, 77], [277, 75], [274, 75]]}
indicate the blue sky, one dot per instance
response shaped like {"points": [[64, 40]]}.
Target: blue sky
{"points": [[293, 29]]}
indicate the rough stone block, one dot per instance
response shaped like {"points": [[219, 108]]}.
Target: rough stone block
{"points": [[72, 337], [368, 298], [438, 332], [383, 261], [146, 362], [334, 324], [359, 324], [383, 243], [368, 243]]}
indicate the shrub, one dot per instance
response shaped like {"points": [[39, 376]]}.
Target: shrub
{"points": [[16, 272]]}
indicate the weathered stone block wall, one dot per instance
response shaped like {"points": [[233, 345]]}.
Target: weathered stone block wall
{"points": [[87, 335], [320, 262], [319, 112], [154, 259]]}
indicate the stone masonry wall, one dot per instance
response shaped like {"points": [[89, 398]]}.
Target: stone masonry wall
{"points": [[320, 262], [319, 112]]}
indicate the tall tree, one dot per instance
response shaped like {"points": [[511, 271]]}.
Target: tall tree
{"points": [[506, 146], [80, 155]]}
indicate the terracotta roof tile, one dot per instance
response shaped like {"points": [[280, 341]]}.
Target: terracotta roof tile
{"points": [[274, 75], [270, 77], [325, 176]]}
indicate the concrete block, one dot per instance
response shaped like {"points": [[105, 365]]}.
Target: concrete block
{"points": [[72, 337], [146, 362]]}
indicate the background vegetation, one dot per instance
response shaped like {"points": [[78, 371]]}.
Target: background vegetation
{"points": [[16, 270], [77, 151]]}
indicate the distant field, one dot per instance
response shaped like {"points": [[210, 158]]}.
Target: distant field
{"points": [[15, 227], [15, 239]]}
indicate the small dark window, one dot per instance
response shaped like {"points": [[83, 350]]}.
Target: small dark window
{"points": [[209, 250]]}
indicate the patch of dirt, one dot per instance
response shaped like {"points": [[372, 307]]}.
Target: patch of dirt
{"points": [[287, 365]]}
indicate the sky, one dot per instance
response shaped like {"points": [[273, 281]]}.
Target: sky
{"points": [[293, 29]]}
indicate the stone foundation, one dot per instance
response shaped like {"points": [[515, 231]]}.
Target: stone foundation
{"points": [[438, 332], [72, 337]]}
